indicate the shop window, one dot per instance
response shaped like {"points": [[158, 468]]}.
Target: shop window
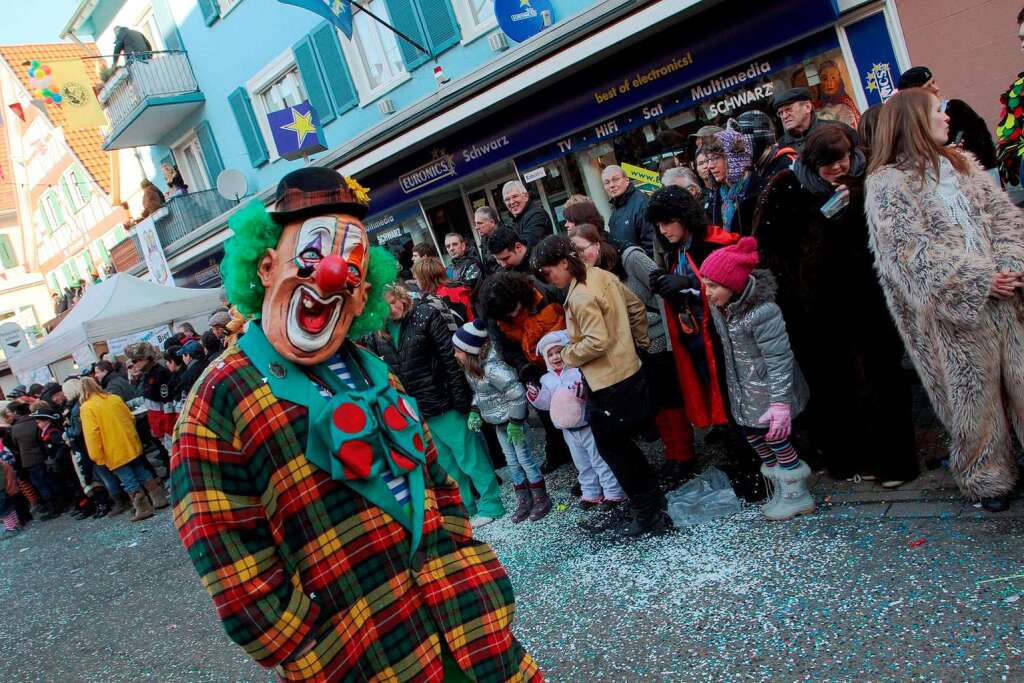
{"points": [[476, 17], [373, 54], [8, 259]]}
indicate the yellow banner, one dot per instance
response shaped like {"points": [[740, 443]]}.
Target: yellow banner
{"points": [[645, 181], [78, 101]]}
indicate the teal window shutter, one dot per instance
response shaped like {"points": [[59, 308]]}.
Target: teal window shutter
{"points": [[210, 10], [82, 182], [405, 18], [165, 22], [332, 64], [44, 219], [316, 89], [211, 155], [58, 213], [241, 106], [8, 259], [441, 26], [66, 190]]}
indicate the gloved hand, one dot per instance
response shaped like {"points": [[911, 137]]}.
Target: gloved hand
{"points": [[474, 421], [532, 392], [670, 286], [778, 420], [516, 433]]}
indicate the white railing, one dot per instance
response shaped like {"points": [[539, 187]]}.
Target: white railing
{"points": [[155, 74]]}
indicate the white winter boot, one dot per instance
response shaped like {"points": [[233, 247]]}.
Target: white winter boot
{"points": [[772, 488], [793, 498]]}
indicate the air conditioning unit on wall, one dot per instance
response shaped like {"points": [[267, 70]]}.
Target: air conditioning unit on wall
{"points": [[498, 41]]}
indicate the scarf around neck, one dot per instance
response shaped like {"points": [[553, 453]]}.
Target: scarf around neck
{"points": [[815, 184]]}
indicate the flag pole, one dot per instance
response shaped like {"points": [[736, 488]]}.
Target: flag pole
{"points": [[392, 28]]}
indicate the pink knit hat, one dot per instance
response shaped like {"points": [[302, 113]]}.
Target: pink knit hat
{"points": [[731, 266]]}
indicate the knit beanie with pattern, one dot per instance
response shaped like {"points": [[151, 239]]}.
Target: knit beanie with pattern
{"points": [[471, 336], [738, 154]]}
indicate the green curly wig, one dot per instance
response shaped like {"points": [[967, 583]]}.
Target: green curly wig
{"points": [[255, 232]]}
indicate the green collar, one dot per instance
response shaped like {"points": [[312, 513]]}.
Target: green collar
{"points": [[355, 434]]}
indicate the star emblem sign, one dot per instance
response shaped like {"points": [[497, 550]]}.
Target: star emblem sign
{"points": [[301, 125]]}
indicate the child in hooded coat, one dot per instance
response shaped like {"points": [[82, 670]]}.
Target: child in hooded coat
{"points": [[562, 393]]}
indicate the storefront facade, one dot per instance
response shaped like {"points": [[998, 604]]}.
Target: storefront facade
{"points": [[636, 107]]}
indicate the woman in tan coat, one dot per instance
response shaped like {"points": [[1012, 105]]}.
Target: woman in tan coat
{"points": [[606, 324], [949, 248], [112, 441]]}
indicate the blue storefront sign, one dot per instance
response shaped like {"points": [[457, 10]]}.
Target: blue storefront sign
{"points": [[203, 274], [721, 47], [385, 227], [873, 56], [521, 19]]}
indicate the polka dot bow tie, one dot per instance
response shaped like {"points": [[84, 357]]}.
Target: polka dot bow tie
{"points": [[365, 431]]}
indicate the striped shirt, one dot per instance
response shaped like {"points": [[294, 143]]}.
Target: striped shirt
{"points": [[398, 484]]}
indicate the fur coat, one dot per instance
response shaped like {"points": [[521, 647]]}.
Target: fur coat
{"points": [[968, 347]]}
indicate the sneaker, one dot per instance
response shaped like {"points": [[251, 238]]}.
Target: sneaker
{"points": [[591, 504], [480, 520]]}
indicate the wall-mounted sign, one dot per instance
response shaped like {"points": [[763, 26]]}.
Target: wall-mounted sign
{"points": [[296, 131], [13, 339], [521, 19], [442, 166], [535, 174], [874, 58]]}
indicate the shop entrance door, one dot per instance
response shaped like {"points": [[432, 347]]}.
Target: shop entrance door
{"points": [[447, 213]]}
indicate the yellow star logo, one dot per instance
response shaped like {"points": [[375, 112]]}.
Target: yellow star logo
{"points": [[301, 125], [524, 3]]}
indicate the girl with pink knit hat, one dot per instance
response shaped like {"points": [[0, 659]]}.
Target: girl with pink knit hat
{"points": [[766, 388]]}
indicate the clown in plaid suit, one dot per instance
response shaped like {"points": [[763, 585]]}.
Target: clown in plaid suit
{"points": [[306, 487]]}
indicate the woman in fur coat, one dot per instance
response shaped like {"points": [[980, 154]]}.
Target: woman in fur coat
{"points": [[949, 248], [840, 329]]}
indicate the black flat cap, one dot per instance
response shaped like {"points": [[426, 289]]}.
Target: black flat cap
{"points": [[784, 97], [914, 77]]}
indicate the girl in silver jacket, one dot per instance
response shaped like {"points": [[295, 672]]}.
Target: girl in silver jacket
{"points": [[766, 388], [499, 398]]}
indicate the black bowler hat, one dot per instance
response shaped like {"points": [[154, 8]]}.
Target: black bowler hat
{"points": [[784, 97], [315, 190], [914, 77]]}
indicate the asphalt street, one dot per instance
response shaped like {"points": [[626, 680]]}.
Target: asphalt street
{"points": [[880, 587]]}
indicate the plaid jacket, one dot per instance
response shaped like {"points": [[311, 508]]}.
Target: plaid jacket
{"points": [[290, 555]]}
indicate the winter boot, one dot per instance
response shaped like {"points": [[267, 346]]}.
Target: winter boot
{"points": [[143, 507], [524, 501], [121, 504], [648, 516], [157, 494], [541, 501], [793, 498], [772, 487]]}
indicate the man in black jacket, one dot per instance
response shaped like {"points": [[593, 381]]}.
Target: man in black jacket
{"points": [[132, 43], [486, 221], [194, 360], [32, 457], [530, 219], [795, 110], [628, 223], [465, 268]]}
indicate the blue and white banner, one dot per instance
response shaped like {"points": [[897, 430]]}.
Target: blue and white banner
{"points": [[338, 12], [874, 58]]}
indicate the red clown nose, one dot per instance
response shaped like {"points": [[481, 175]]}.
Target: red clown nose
{"points": [[331, 274]]}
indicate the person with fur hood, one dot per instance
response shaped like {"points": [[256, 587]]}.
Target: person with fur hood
{"points": [[766, 388], [842, 335], [499, 399], [949, 248], [563, 393]]}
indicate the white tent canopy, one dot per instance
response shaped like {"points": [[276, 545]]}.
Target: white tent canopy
{"points": [[118, 306]]}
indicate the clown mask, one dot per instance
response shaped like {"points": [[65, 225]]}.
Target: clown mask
{"points": [[315, 285]]}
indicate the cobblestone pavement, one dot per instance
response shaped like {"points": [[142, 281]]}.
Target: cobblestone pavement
{"points": [[880, 586]]}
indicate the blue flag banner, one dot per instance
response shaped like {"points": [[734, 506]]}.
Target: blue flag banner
{"points": [[338, 12], [296, 131], [874, 57]]}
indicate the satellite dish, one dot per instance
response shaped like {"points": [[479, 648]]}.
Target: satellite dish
{"points": [[231, 184]]}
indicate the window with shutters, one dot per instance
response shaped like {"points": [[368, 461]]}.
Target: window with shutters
{"points": [[189, 156], [373, 54], [476, 17], [8, 259], [277, 86]]}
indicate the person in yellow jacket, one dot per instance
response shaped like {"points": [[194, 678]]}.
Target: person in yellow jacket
{"points": [[114, 444]]}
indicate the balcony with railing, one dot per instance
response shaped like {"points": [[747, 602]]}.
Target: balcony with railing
{"points": [[148, 97], [184, 213]]}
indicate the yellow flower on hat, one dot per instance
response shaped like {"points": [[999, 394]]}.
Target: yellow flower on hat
{"points": [[361, 193]]}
